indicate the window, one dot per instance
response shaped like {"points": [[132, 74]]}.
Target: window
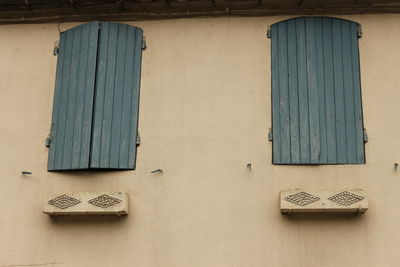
{"points": [[95, 110], [316, 93]]}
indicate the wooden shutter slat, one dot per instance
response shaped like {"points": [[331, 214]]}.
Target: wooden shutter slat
{"points": [[72, 115], [276, 145], [323, 157], [118, 96], [329, 92], [56, 105], [313, 99], [129, 123], [107, 108], [135, 98], [284, 94], [359, 127], [293, 94], [58, 141], [339, 92], [348, 92], [305, 155]]}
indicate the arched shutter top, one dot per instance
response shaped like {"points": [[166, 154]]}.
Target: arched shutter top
{"points": [[315, 17]]}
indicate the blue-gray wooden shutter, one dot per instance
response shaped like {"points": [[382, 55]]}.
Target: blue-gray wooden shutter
{"points": [[316, 92], [95, 110], [117, 97], [73, 99]]}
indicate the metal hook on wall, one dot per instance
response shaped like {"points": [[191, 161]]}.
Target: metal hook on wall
{"points": [[249, 166]]}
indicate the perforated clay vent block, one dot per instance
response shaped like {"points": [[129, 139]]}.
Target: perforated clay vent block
{"points": [[323, 201], [86, 203]]}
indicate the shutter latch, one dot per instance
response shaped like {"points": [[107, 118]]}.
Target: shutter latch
{"points": [[365, 135], [270, 134], [359, 31], [269, 33]]}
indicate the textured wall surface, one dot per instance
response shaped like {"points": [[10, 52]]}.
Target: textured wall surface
{"points": [[205, 111]]}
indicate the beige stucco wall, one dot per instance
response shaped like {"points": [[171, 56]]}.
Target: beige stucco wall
{"points": [[204, 114]]}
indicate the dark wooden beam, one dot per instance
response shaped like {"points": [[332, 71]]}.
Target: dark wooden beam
{"points": [[123, 10]]}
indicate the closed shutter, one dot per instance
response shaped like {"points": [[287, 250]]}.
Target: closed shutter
{"points": [[316, 93], [73, 98], [117, 96], [95, 110]]}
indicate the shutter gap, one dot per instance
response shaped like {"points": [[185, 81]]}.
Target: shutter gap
{"points": [[324, 80], [334, 92], [298, 92], [288, 93], [308, 95], [343, 90], [94, 95]]}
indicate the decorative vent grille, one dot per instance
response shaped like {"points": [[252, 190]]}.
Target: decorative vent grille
{"points": [[302, 198], [90, 203], [335, 201], [104, 201], [345, 198], [64, 201]]}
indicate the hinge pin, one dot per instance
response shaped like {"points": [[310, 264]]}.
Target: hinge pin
{"points": [[47, 143], [359, 31], [138, 139], [365, 135], [270, 134], [144, 45]]}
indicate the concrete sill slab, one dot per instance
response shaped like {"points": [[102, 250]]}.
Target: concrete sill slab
{"points": [[341, 201], [86, 203]]}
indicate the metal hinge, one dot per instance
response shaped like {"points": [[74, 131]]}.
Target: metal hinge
{"points": [[365, 135], [270, 134], [144, 46], [138, 139], [269, 33], [359, 31], [56, 48], [47, 142]]}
